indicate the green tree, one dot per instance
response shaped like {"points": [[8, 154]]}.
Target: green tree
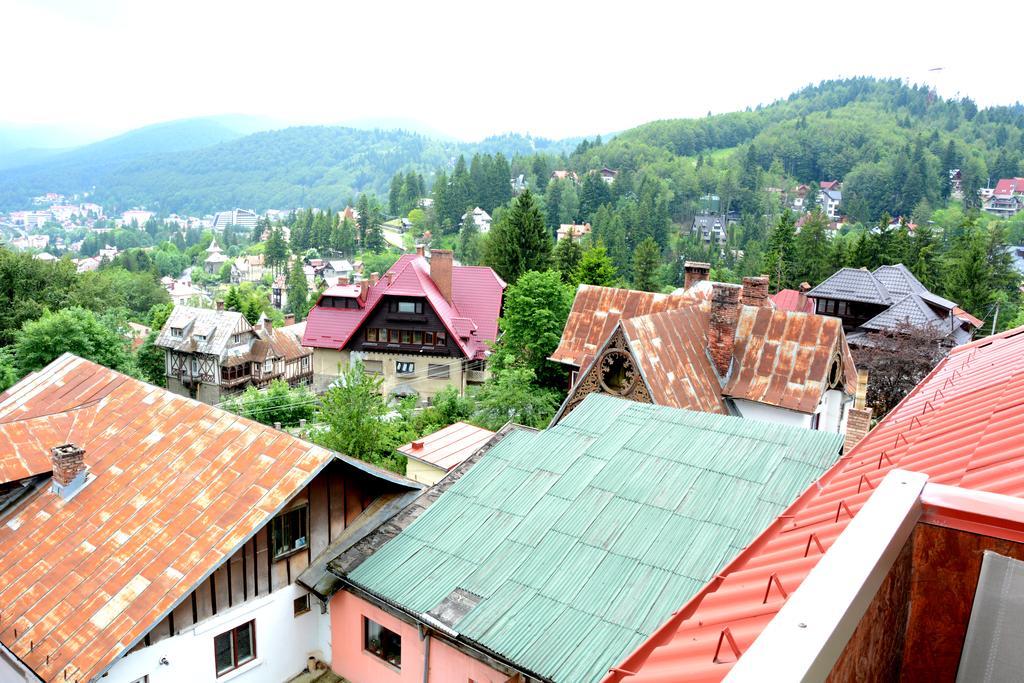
{"points": [[70, 330], [646, 260], [150, 360], [595, 268], [780, 256], [276, 254], [511, 395], [519, 241], [8, 370], [352, 412], [813, 257], [468, 248], [968, 276], [567, 257], [535, 310], [278, 403], [298, 291]]}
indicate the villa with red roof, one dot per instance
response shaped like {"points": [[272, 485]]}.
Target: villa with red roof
{"points": [[423, 326], [1007, 198]]}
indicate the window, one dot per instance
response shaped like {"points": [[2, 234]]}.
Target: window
{"points": [[288, 532], [300, 605], [373, 367], [417, 337], [439, 339], [268, 366], [371, 334], [305, 362], [403, 368], [407, 307], [437, 371], [176, 331], [200, 337], [392, 336], [382, 642], [195, 366], [236, 338], [406, 337], [428, 338], [234, 648]]}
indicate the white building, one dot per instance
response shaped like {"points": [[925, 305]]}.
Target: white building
{"points": [[241, 217], [139, 216], [482, 220]]}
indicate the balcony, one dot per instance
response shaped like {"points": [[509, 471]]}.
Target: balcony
{"points": [[476, 376]]}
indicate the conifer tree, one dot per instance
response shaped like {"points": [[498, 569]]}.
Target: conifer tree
{"points": [[520, 241], [567, 256], [595, 268], [298, 291], [646, 261]]}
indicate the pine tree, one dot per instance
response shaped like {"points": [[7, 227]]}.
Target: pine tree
{"points": [[277, 250], [646, 261], [812, 251], [363, 220], [567, 256], [298, 290], [395, 194], [520, 241], [968, 277], [468, 249], [780, 256], [232, 301], [595, 268], [924, 260]]}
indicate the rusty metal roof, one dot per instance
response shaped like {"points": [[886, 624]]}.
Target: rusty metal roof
{"points": [[597, 310], [783, 358], [963, 425], [447, 447], [175, 487]]}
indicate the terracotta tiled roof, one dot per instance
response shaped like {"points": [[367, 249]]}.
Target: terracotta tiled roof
{"points": [[476, 297], [962, 426], [175, 487], [597, 310], [448, 447]]}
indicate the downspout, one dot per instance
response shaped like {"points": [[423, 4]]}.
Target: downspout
{"points": [[425, 637]]}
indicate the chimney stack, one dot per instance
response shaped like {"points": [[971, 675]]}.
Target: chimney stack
{"points": [[220, 305], [805, 287], [441, 271], [417, 445], [725, 314], [343, 280], [390, 276], [289, 319], [755, 291], [858, 424], [69, 473], [696, 271], [363, 287], [421, 250], [374, 279]]}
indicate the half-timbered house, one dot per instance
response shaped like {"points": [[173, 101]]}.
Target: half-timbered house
{"points": [[212, 354]]}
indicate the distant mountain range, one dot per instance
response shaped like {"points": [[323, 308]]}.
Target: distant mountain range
{"points": [[205, 164]]}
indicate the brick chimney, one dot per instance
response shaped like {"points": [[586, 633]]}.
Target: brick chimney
{"points": [[364, 286], [805, 287], [417, 445], [389, 276], [441, 271], [220, 305], [343, 280], [289, 319], [755, 291], [421, 250], [374, 279], [725, 314], [858, 424], [69, 473], [695, 272]]}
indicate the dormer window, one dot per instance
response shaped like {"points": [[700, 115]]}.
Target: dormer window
{"points": [[268, 366], [200, 337], [177, 332]]}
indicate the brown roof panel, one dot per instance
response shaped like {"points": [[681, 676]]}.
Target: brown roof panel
{"points": [[597, 310], [448, 447], [175, 487]]}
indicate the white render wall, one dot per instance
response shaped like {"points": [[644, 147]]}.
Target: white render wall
{"points": [[283, 643], [766, 413]]}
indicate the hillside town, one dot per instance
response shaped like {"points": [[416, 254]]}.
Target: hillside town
{"points": [[723, 397]]}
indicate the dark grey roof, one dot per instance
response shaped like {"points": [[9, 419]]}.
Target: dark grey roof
{"points": [[898, 280], [853, 284], [206, 331], [936, 300], [910, 309]]}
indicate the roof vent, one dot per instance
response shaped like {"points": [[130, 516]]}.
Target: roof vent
{"points": [[69, 471], [417, 445]]}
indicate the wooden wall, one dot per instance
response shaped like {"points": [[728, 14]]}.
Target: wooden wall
{"points": [[336, 497]]}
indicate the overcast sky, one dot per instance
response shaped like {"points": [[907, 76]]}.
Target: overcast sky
{"points": [[469, 69]]}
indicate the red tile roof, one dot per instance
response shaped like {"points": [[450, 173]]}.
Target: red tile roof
{"points": [[448, 447], [175, 487], [1009, 186], [963, 425], [471, 318], [792, 300], [597, 310]]}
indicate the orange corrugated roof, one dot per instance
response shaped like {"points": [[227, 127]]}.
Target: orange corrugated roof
{"points": [[448, 447], [963, 425], [176, 487], [597, 310]]}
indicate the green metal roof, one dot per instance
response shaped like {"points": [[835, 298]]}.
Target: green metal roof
{"points": [[582, 539]]}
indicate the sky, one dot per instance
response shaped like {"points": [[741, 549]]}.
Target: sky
{"points": [[558, 68]]}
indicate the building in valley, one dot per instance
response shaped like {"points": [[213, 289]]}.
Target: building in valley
{"points": [[1007, 198], [896, 565], [433, 456], [212, 354], [215, 258], [166, 537], [715, 347], [548, 556], [243, 218], [887, 298], [422, 327]]}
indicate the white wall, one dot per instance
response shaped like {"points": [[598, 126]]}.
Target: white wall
{"points": [[283, 642], [767, 413], [833, 410]]}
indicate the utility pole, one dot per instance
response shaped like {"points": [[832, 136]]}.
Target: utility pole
{"points": [[995, 318]]}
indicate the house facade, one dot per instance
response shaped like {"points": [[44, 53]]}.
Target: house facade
{"points": [[714, 348], [215, 258], [185, 554], [1007, 198], [421, 327], [213, 354], [887, 298]]}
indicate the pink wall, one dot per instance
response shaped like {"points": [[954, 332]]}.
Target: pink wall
{"points": [[447, 665]]}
